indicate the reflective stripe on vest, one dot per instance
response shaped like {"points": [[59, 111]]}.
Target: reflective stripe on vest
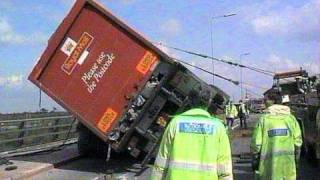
{"points": [[226, 167], [268, 155], [162, 162], [193, 166]]}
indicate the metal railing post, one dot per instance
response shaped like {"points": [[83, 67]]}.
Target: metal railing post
{"points": [[22, 133], [55, 129]]}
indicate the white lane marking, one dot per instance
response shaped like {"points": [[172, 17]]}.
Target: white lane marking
{"points": [[237, 125], [96, 178]]}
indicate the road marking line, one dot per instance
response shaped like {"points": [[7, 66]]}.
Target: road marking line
{"points": [[96, 178], [235, 126]]}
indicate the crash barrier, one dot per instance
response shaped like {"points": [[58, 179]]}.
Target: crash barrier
{"points": [[20, 133]]}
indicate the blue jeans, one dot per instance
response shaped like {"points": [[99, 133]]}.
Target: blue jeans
{"points": [[230, 122]]}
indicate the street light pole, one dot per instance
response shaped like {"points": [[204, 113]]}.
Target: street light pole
{"points": [[241, 82], [211, 31]]}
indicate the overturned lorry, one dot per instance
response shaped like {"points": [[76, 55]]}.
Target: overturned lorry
{"points": [[120, 87]]}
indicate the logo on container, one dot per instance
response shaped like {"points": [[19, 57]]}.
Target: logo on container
{"points": [[146, 62], [76, 51], [107, 119]]}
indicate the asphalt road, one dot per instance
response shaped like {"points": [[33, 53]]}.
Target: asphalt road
{"points": [[125, 167]]}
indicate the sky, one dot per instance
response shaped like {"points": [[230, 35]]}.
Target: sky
{"points": [[280, 35]]}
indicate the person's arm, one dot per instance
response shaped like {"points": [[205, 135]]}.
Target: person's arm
{"points": [[162, 159], [226, 111], [296, 133], [297, 139], [247, 110], [224, 161], [236, 113], [256, 143]]}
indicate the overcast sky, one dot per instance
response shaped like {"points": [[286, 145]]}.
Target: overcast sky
{"points": [[279, 34]]}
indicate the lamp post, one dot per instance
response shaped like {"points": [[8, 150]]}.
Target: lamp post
{"points": [[240, 62], [211, 28]]}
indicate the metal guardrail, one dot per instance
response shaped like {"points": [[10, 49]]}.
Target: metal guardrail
{"points": [[19, 133]]}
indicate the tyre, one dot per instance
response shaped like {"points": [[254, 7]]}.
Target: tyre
{"points": [[89, 144]]}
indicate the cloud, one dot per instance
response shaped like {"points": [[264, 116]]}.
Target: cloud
{"points": [[9, 36], [301, 22], [219, 69], [11, 81], [7, 5], [163, 48], [312, 67], [270, 24], [285, 64], [281, 64], [166, 50], [23, 97], [171, 27], [67, 3], [123, 2], [37, 38], [128, 2]]}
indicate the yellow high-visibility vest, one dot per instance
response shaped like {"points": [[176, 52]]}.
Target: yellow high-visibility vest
{"points": [[194, 146]]}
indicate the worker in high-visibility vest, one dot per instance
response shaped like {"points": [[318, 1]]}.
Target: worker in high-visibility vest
{"points": [[276, 143], [194, 145], [231, 113], [243, 114]]}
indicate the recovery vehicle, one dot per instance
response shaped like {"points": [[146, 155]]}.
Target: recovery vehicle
{"points": [[302, 93]]}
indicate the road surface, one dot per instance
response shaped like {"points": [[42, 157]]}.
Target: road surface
{"points": [[126, 167]]}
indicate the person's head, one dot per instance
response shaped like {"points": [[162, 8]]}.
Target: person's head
{"points": [[204, 100], [240, 101], [217, 104], [274, 97], [196, 100]]}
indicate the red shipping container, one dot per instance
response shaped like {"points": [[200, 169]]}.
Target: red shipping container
{"points": [[92, 65]]}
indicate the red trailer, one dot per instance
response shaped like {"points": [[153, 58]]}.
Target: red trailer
{"points": [[118, 84]]}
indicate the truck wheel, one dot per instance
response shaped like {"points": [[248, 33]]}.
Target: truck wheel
{"points": [[89, 144]]}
